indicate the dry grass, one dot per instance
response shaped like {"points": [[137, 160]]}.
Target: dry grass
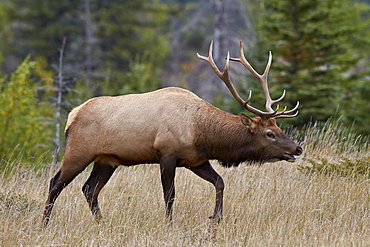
{"points": [[269, 205]]}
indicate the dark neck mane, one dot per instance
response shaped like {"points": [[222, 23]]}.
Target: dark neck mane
{"points": [[222, 136]]}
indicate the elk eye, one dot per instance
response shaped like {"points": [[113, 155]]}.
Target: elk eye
{"points": [[271, 135]]}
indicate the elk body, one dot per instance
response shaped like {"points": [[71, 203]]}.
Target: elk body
{"points": [[172, 127]]}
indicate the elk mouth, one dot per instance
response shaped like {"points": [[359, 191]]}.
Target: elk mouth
{"points": [[286, 156], [289, 157]]}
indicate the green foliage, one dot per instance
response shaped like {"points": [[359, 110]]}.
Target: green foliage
{"points": [[133, 51], [6, 31], [317, 47], [346, 167], [50, 20], [140, 78], [20, 129], [119, 31]]}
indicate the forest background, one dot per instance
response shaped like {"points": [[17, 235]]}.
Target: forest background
{"points": [[54, 55]]}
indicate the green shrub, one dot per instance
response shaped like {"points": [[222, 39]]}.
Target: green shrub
{"points": [[347, 168]]}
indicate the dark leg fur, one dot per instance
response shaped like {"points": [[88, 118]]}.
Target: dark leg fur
{"points": [[57, 184], [168, 167], [56, 187], [206, 172], [98, 178]]}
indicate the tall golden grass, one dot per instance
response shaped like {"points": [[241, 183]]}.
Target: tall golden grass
{"points": [[269, 205]]}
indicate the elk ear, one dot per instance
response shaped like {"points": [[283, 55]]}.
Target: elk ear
{"points": [[272, 121], [248, 121]]}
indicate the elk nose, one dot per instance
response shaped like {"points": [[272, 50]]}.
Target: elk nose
{"points": [[299, 150]]}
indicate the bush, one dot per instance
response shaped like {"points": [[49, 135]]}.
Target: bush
{"points": [[347, 168]]}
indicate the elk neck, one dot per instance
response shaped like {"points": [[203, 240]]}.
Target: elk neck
{"points": [[222, 136]]}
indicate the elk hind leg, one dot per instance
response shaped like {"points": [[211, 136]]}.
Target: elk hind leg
{"points": [[98, 178], [58, 183]]}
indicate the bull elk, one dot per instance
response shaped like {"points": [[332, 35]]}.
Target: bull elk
{"points": [[172, 127]]}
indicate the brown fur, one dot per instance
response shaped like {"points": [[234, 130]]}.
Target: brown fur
{"points": [[170, 126]]}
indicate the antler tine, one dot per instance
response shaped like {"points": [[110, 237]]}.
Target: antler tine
{"points": [[282, 113], [263, 80], [286, 116], [267, 69], [225, 77], [279, 99], [209, 59], [291, 110]]}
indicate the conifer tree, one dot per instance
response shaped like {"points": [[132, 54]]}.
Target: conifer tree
{"points": [[316, 47], [104, 37]]}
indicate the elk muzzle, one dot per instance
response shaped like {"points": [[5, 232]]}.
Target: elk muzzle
{"points": [[290, 156]]}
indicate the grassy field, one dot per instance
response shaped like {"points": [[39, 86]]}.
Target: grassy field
{"points": [[270, 205]]}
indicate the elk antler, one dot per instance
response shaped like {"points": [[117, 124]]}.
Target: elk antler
{"points": [[263, 80]]}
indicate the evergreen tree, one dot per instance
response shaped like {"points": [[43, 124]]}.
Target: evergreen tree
{"points": [[316, 47], [103, 37], [131, 41], [39, 27]]}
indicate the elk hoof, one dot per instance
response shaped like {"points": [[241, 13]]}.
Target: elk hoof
{"points": [[216, 219]]}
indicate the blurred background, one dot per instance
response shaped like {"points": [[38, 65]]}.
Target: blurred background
{"points": [[54, 55]]}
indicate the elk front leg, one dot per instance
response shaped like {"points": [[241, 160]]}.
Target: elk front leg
{"points": [[168, 167], [206, 172]]}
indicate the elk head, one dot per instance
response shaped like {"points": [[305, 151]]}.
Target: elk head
{"points": [[267, 134]]}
